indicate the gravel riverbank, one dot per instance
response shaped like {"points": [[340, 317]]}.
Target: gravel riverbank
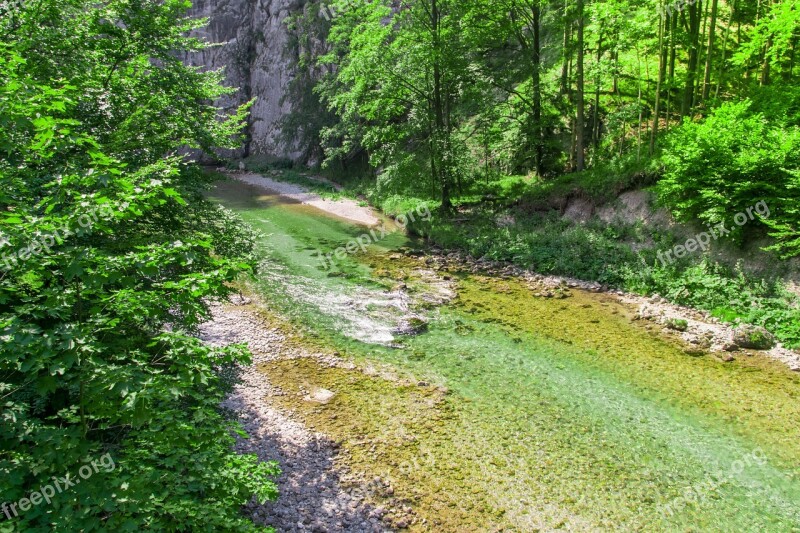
{"points": [[316, 494], [342, 207]]}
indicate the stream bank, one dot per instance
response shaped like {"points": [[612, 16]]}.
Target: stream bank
{"points": [[317, 493]]}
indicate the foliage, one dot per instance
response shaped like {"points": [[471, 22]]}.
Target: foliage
{"points": [[452, 93], [399, 77], [678, 324], [623, 256], [109, 262], [773, 38], [544, 243], [730, 162], [729, 294]]}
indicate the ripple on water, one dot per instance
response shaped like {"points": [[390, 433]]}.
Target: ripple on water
{"points": [[365, 314]]}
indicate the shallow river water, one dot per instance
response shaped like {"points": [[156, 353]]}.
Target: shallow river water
{"points": [[517, 412]]}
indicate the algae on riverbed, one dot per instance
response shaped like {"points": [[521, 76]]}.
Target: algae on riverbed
{"points": [[561, 413]]}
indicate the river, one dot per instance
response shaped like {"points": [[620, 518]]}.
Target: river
{"points": [[517, 412]]}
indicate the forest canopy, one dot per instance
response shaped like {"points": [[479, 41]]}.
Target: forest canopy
{"points": [[440, 95]]}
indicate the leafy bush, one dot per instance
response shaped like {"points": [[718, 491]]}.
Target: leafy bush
{"points": [[602, 183], [624, 257], [729, 294], [544, 243], [724, 165], [678, 324]]}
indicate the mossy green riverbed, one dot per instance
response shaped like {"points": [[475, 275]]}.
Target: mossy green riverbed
{"points": [[516, 412]]}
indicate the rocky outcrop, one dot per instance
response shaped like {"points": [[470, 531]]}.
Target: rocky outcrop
{"points": [[253, 49]]}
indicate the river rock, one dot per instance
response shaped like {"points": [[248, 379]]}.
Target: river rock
{"points": [[412, 326], [753, 337], [321, 396]]}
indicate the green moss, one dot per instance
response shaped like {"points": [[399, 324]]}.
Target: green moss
{"points": [[397, 432], [678, 324]]}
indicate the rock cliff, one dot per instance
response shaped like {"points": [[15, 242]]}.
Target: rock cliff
{"points": [[252, 47]]}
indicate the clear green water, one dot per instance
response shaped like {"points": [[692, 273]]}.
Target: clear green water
{"points": [[560, 414]]}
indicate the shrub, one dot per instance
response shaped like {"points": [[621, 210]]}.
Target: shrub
{"points": [[112, 259], [719, 167]]}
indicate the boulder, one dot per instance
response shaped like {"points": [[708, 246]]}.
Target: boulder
{"points": [[753, 337], [321, 396]]}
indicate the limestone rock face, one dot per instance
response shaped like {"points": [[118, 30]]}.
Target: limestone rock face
{"points": [[253, 52]]}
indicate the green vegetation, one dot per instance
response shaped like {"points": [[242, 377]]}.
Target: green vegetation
{"points": [[501, 114], [453, 93], [110, 256], [624, 256], [732, 160], [678, 324], [504, 113]]}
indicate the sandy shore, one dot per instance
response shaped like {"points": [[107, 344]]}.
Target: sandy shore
{"points": [[344, 207]]}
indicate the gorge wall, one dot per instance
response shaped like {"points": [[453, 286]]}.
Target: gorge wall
{"points": [[252, 41]]}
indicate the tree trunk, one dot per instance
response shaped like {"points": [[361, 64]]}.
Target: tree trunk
{"points": [[598, 81], [537, 89], [766, 66], [662, 72], [641, 108], [580, 120], [672, 58], [721, 74], [710, 51], [694, 48], [567, 55], [439, 109]]}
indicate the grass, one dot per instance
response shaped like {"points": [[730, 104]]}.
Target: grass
{"points": [[624, 257]]}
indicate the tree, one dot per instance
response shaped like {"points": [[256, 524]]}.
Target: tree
{"points": [[400, 76], [694, 10], [579, 96], [710, 51], [110, 256], [662, 74], [773, 41], [519, 73]]}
